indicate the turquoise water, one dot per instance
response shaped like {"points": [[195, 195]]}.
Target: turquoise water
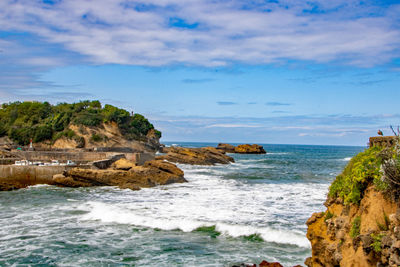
{"points": [[248, 211]]}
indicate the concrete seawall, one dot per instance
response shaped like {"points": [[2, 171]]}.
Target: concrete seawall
{"points": [[30, 175], [138, 158]]}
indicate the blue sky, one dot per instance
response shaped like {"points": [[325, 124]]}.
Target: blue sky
{"points": [[291, 71]]}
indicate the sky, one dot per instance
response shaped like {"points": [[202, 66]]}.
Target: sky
{"points": [[276, 72]]}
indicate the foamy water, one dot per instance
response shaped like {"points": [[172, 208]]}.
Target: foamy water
{"points": [[247, 211]]}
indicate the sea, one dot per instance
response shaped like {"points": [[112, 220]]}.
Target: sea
{"points": [[252, 210]]}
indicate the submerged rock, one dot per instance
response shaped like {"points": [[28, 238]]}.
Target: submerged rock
{"points": [[195, 156], [152, 173]]}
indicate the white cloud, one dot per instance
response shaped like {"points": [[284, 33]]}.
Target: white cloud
{"points": [[113, 31]]}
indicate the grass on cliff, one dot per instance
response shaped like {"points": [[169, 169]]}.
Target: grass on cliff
{"points": [[355, 227], [41, 121], [363, 169]]}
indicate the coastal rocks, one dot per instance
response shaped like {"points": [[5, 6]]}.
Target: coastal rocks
{"points": [[195, 156], [250, 149], [264, 263], [151, 174], [356, 235], [227, 148], [241, 149], [8, 186], [123, 164]]}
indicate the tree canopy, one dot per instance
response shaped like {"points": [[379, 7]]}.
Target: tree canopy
{"points": [[41, 121]]}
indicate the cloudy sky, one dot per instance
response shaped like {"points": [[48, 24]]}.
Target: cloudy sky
{"points": [[290, 71]]}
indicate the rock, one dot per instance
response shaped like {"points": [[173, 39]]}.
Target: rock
{"points": [[250, 149], [195, 156], [264, 263], [153, 173], [10, 185], [123, 164], [270, 264], [106, 163], [314, 217], [387, 241], [227, 148]]}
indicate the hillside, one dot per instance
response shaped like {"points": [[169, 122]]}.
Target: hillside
{"points": [[84, 124], [361, 226]]}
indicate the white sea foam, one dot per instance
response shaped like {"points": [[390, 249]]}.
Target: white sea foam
{"points": [[39, 185], [277, 212], [346, 159], [107, 213]]}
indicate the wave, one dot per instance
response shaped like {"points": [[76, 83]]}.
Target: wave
{"points": [[107, 213], [346, 159]]}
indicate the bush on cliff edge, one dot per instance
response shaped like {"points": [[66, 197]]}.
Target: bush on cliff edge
{"points": [[363, 169]]}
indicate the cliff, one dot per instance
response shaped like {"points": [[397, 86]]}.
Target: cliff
{"points": [[86, 124], [361, 225]]}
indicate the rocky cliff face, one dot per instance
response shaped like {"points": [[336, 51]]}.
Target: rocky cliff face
{"points": [[356, 235], [106, 135], [361, 225]]}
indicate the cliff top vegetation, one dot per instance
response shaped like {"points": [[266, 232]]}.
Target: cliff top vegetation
{"points": [[41, 121], [377, 165]]}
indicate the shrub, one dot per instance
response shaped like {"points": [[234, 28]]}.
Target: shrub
{"points": [[361, 170], [96, 138], [386, 222], [377, 243], [355, 227], [80, 141], [42, 133], [328, 215]]}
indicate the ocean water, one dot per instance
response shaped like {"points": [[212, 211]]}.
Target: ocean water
{"points": [[252, 210]]}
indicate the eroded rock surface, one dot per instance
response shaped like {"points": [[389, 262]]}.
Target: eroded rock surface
{"points": [[376, 242], [227, 148], [195, 156], [250, 149], [151, 174]]}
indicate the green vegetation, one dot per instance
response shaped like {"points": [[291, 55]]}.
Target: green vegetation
{"points": [[22, 121], [384, 226], [377, 244], [355, 227], [361, 170], [328, 215]]}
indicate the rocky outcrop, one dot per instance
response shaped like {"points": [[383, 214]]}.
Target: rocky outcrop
{"points": [[250, 149], [227, 148], [241, 149], [195, 156], [123, 164], [367, 234], [11, 185], [152, 173], [264, 263]]}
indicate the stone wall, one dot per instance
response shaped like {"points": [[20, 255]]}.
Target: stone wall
{"points": [[382, 141]]}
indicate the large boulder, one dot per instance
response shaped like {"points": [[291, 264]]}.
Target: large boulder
{"points": [[123, 164], [151, 174], [195, 156], [227, 148], [250, 149]]}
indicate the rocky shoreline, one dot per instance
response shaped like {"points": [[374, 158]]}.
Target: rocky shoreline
{"points": [[119, 171]]}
